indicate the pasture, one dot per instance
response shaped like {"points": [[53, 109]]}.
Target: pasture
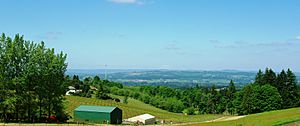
{"points": [[135, 107], [277, 118]]}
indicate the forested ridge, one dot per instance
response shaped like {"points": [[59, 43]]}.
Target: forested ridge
{"points": [[31, 80]]}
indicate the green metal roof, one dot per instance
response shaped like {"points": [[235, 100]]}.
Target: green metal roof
{"points": [[104, 109]]}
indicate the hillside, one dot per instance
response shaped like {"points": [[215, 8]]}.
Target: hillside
{"points": [[134, 108], [278, 117]]}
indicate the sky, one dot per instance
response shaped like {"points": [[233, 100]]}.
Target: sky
{"points": [[162, 34]]}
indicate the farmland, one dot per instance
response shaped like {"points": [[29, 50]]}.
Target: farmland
{"points": [[134, 108]]}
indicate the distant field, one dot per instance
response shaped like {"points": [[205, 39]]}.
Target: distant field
{"points": [[278, 117], [134, 108]]}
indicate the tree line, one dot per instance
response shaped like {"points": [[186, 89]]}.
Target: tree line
{"points": [[31, 80], [269, 91]]}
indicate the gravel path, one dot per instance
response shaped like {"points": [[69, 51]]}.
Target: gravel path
{"points": [[226, 118], [293, 124]]}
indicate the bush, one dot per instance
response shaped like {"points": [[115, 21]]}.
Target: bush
{"points": [[189, 111]]}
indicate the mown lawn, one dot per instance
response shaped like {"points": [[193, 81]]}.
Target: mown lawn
{"points": [[134, 108], [272, 118], [44, 124]]}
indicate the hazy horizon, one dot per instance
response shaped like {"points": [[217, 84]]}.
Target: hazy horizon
{"points": [[154, 69], [162, 34]]}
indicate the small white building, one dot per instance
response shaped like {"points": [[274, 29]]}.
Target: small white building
{"points": [[72, 90], [145, 119]]}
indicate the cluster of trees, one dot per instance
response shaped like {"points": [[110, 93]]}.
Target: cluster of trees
{"points": [[31, 80], [92, 87], [197, 100], [268, 92]]}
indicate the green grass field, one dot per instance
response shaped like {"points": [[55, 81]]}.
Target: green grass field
{"points": [[134, 108], [272, 118]]}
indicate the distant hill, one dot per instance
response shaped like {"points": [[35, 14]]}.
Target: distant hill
{"points": [[173, 78], [100, 72]]}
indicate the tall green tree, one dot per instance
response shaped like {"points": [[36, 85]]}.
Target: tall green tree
{"points": [[269, 77], [289, 94], [256, 98], [230, 94], [243, 102], [259, 79], [31, 78]]}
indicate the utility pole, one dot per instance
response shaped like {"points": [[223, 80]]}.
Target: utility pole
{"points": [[105, 72]]}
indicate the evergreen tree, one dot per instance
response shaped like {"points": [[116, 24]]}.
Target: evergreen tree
{"points": [[230, 97], [212, 100], [259, 79], [289, 93], [96, 78], [269, 77], [281, 82], [246, 101]]}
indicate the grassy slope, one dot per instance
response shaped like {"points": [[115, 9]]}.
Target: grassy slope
{"points": [[134, 108], [262, 119]]}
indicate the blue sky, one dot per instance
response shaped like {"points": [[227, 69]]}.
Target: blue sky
{"points": [[165, 34]]}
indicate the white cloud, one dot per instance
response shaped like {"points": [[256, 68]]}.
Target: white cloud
{"points": [[50, 35], [172, 46], [298, 37], [127, 1]]}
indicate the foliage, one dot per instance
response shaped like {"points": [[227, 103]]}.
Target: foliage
{"points": [[286, 84], [31, 80], [230, 96], [189, 111], [269, 92], [90, 87], [256, 99], [126, 99]]}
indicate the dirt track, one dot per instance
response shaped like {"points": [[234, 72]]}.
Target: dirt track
{"points": [[226, 118]]}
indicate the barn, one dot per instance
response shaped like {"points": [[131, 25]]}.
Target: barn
{"points": [[144, 119], [98, 114]]}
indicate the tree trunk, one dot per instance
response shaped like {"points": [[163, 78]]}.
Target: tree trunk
{"points": [[40, 107], [29, 113], [17, 116], [49, 109]]}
